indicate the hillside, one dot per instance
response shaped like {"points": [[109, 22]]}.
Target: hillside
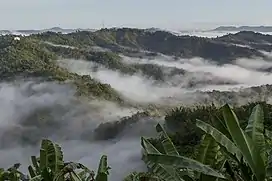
{"points": [[135, 40], [249, 39], [26, 58], [35, 55]]}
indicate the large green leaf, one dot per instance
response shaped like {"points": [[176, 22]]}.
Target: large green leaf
{"points": [[167, 173], [51, 156], [184, 162], [148, 147], [35, 169], [244, 143], [103, 169], [32, 172], [207, 153], [220, 126], [35, 163], [166, 142], [220, 138], [207, 150], [255, 129]]}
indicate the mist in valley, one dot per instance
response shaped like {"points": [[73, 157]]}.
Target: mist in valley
{"points": [[199, 75], [32, 109], [162, 64]]}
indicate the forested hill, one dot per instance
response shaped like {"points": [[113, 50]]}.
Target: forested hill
{"points": [[35, 55], [28, 59], [119, 40]]}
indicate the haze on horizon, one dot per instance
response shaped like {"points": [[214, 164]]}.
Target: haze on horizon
{"points": [[172, 14]]}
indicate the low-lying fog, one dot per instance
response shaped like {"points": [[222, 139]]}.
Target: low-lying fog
{"points": [[32, 110], [200, 75]]}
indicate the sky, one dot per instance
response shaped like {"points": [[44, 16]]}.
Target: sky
{"points": [[170, 14]]}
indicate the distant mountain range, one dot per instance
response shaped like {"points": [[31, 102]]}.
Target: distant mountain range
{"points": [[244, 28], [54, 29], [66, 31], [58, 30]]}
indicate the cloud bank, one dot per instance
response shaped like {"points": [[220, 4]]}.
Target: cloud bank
{"points": [[200, 75]]}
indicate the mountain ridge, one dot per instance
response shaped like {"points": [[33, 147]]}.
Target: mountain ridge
{"points": [[244, 28], [159, 41]]}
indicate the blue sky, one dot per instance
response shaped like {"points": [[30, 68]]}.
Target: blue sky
{"points": [[171, 14]]}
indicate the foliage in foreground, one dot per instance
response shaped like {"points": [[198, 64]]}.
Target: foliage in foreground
{"points": [[227, 151], [50, 166]]}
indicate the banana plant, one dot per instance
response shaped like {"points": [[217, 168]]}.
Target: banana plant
{"points": [[247, 148], [48, 164], [103, 169], [209, 153], [51, 167], [170, 165]]}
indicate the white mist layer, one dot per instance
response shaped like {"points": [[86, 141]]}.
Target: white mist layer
{"points": [[253, 63], [213, 34], [58, 45], [135, 87], [244, 72]]}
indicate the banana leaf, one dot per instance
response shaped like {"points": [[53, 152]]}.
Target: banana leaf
{"points": [[183, 162], [250, 152]]}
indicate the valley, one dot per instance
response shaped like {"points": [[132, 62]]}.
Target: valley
{"points": [[98, 92]]}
